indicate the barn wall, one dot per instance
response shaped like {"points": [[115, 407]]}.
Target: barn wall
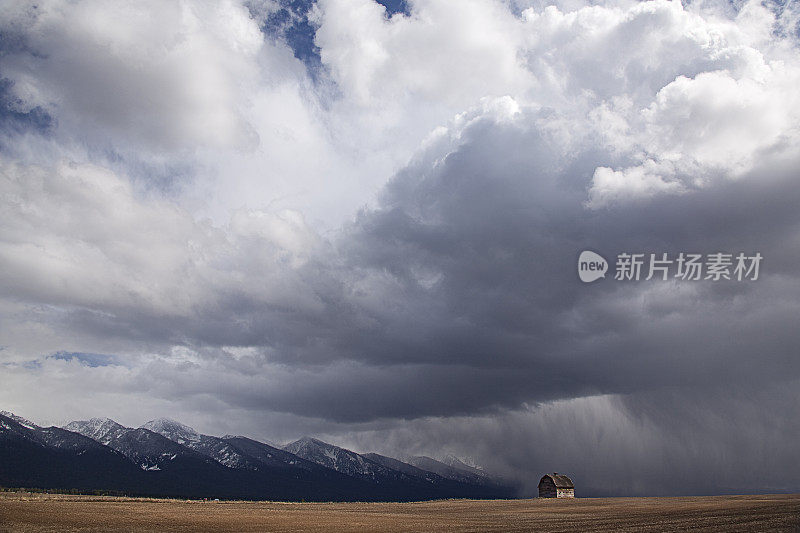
{"points": [[565, 493]]}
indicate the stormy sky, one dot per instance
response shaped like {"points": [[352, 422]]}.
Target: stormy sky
{"points": [[361, 221]]}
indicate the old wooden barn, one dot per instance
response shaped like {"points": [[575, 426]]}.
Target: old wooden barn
{"points": [[556, 485]]}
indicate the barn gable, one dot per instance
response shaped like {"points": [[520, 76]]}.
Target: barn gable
{"points": [[556, 485]]}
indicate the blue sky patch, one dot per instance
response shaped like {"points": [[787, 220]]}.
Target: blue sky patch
{"points": [[88, 359], [291, 24]]}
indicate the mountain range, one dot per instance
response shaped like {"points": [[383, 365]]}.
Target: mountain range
{"points": [[168, 459]]}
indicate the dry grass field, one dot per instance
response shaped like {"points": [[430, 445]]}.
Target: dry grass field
{"points": [[21, 511]]}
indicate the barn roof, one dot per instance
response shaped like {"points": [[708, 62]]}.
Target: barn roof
{"points": [[560, 480]]}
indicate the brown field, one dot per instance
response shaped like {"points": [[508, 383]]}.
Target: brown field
{"points": [[22, 511]]}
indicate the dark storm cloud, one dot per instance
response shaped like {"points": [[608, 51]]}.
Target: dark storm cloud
{"points": [[459, 294], [503, 233]]}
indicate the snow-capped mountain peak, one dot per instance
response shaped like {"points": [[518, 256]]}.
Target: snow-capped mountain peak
{"points": [[306, 444], [463, 463], [458, 470], [103, 430], [173, 430], [262, 441], [330, 456], [19, 420], [214, 447], [147, 449]]}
